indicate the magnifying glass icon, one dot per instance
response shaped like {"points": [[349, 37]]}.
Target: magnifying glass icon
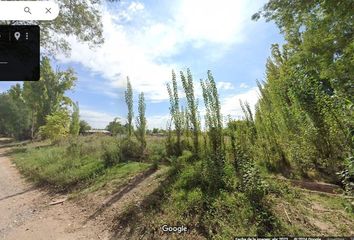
{"points": [[27, 10]]}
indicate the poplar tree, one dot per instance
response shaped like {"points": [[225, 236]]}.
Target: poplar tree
{"points": [[176, 114], [192, 108], [141, 123], [216, 157], [75, 120], [129, 102]]}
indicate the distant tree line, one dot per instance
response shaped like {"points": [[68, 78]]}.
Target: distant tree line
{"points": [[41, 109]]}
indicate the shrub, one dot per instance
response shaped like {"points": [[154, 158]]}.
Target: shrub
{"points": [[157, 153], [172, 147], [190, 177], [75, 148], [111, 154], [252, 184], [188, 201], [179, 163], [129, 150]]}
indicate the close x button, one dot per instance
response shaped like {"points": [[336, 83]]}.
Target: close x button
{"points": [[19, 53]]}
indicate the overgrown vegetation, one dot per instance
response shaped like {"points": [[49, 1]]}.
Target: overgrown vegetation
{"points": [[76, 163], [223, 178]]}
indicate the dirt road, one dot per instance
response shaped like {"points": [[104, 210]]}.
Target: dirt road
{"points": [[25, 212]]}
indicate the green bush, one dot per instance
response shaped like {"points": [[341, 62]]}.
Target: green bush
{"points": [[111, 153], [75, 148], [157, 153], [190, 177], [252, 183], [129, 150], [178, 163], [230, 215], [188, 201]]}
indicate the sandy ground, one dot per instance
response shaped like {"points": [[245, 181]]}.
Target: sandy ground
{"points": [[25, 212]]}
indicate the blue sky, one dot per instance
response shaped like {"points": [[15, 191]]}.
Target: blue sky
{"points": [[145, 40]]}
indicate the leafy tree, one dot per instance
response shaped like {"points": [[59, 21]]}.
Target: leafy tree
{"points": [[84, 126], [321, 34], [48, 94], [57, 126], [141, 123], [302, 118], [129, 102], [75, 120], [14, 115], [116, 127]]}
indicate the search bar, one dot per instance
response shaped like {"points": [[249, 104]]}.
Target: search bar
{"points": [[28, 10]]}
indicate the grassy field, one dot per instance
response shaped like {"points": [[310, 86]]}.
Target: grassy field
{"points": [[76, 164]]}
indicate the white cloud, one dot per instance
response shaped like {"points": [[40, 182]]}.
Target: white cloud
{"points": [[135, 7], [244, 85], [224, 86], [212, 21], [100, 120], [158, 121], [96, 119], [231, 105], [139, 50]]}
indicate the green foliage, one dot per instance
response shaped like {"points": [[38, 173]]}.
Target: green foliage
{"points": [[14, 115], [75, 120], [347, 175], [116, 127], [189, 201], [129, 102], [141, 124], [111, 153], [302, 119], [190, 175], [55, 167], [130, 150], [84, 127], [47, 95], [299, 125], [214, 155], [157, 152], [57, 126], [176, 114], [75, 147], [192, 108], [77, 163]]}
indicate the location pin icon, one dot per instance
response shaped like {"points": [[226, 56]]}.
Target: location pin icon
{"points": [[17, 35]]}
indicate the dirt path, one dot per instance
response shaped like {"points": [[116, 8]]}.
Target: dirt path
{"points": [[26, 213]]}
